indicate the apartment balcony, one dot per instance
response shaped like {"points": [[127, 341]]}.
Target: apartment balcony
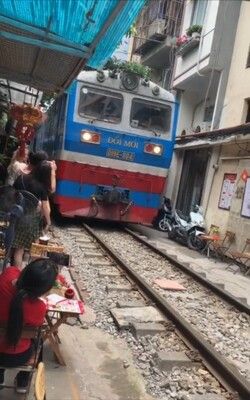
{"points": [[156, 51], [150, 36], [212, 51], [156, 28]]}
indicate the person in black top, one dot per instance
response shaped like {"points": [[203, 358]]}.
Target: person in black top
{"points": [[27, 230], [34, 159]]}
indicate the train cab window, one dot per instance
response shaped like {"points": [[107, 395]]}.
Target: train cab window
{"points": [[154, 117], [100, 105]]}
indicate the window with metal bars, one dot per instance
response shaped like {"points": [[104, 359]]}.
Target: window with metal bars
{"points": [[248, 59], [248, 110]]}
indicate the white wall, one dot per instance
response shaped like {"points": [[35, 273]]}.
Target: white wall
{"points": [[238, 88], [193, 58]]}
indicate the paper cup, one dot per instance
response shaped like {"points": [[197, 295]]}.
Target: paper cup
{"points": [[69, 293]]}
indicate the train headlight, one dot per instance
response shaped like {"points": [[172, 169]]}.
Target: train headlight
{"points": [[157, 149], [90, 137], [152, 148]]}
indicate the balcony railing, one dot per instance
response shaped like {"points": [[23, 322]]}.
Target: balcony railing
{"points": [[158, 20]]}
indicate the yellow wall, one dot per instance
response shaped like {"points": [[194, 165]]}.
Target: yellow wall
{"points": [[230, 219], [234, 113], [238, 89]]}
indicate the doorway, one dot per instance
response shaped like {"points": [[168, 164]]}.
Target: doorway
{"points": [[192, 179]]}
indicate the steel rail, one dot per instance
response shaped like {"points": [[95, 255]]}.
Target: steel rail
{"points": [[225, 372], [185, 268]]}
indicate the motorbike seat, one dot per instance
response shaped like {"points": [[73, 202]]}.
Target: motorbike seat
{"points": [[183, 216]]}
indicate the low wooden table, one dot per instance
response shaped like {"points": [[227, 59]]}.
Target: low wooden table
{"points": [[55, 318], [54, 321]]}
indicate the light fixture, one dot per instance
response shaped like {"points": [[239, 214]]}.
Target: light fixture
{"points": [[152, 148], [156, 90], [90, 137], [157, 150]]}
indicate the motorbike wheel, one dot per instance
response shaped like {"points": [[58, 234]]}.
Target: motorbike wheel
{"points": [[195, 242], [164, 225]]}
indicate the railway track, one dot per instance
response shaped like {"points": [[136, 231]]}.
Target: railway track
{"points": [[228, 297], [129, 255]]}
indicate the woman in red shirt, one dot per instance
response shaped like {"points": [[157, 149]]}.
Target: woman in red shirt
{"points": [[21, 305]]}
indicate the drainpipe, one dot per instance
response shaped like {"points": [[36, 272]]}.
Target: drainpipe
{"points": [[215, 168]]}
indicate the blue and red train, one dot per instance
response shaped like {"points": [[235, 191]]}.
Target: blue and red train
{"points": [[112, 137]]}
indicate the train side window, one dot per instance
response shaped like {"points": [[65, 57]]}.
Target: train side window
{"points": [[151, 116], [100, 105]]}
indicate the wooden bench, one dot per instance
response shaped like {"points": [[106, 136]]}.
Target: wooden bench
{"points": [[51, 251], [28, 332], [40, 250]]}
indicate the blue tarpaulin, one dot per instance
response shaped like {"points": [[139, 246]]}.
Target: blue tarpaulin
{"points": [[89, 30]]}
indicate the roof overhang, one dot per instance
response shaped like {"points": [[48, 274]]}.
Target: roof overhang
{"points": [[47, 50], [239, 133]]}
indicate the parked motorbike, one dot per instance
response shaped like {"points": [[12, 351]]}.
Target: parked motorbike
{"points": [[189, 229], [164, 217]]}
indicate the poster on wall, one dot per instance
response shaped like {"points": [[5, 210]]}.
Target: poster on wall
{"points": [[227, 191], [245, 211]]}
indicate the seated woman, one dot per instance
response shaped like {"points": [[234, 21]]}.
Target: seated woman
{"points": [[21, 305]]}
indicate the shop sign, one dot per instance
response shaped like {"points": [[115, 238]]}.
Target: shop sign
{"points": [[227, 191], [245, 211]]}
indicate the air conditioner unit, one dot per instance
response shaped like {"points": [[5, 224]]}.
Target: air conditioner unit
{"points": [[157, 26]]}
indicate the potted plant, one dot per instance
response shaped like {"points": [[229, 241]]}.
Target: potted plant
{"points": [[194, 31], [131, 67], [181, 40]]}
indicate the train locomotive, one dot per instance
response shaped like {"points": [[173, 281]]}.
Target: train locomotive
{"points": [[112, 137]]}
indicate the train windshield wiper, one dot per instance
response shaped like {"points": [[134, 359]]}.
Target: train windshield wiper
{"points": [[154, 132]]}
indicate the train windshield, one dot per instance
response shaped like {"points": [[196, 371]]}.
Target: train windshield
{"points": [[100, 105], [151, 116]]}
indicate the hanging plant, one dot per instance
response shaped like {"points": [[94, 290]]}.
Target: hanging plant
{"points": [[27, 116]]}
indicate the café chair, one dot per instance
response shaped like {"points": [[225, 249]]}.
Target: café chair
{"points": [[28, 332], [241, 258], [220, 247]]}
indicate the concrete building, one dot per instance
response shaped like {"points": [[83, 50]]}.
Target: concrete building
{"points": [[157, 27], [212, 79]]}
